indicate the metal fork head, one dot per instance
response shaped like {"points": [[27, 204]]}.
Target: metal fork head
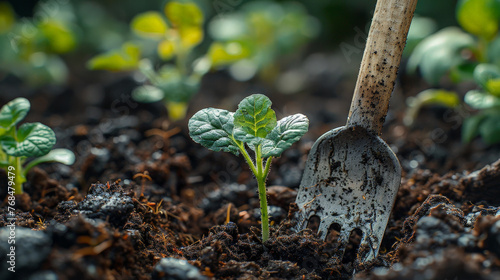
{"points": [[351, 179]]}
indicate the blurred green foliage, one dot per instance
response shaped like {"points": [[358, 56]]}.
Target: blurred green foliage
{"points": [[30, 48], [471, 54], [247, 40]]}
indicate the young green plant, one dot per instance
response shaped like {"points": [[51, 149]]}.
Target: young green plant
{"points": [[471, 54], [252, 126], [30, 140]]}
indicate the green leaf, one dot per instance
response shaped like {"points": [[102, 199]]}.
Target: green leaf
{"points": [[287, 131], [481, 100], [479, 17], [147, 94], [489, 129], [12, 113], [7, 17], [59, 37], [439, 53], [441, 97], [254, 119], [126, 58], [63, 156], [487, 76], [470, 127], [149, 24], [32, 140], [494, 51], [213, 129], [183, 14], [222, 54]]}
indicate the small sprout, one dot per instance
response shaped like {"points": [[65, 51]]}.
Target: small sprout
{"points": [[30, 140], [428, 97], [253, 126]]}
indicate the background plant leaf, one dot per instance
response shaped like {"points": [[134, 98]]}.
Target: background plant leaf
{"points": [[488, 77], [63, 156], [254, 119], [126, 58], [32, 140], [478, 17], [287, 131], [489, 129], [12, 113], [470, 127], [147, 94], [481, 100], [213, 129], [439, 53], [149, 24]]}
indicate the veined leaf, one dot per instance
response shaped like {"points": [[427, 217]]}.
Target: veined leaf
{"points": [[288, 131], [478, 17], [254, 119], [32, 140], [12, 113], [149, 24], [213, 129]]}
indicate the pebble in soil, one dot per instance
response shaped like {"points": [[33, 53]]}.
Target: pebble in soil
{"points": [[105, 202], [31, 249], [440, 242]]}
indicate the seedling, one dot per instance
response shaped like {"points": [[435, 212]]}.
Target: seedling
{"points": [[253, 38], [174, 32], [473, 55], [30, 140], [30, 49], [253, 126]]}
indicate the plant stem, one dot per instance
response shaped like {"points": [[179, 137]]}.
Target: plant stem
{"points": [[261, 182], [19, 178]]}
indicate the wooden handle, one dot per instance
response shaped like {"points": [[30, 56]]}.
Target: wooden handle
{"points": [[380, 64]]}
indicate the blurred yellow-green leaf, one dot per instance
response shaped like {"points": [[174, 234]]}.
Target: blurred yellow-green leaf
{"points": [[440, 97], [59, 37], [7, 17], [478, 17], [183, 14], [126, 58], [166, 49], [222, 54], [177, 110], [149, 24], [190, 36], [493, 87]]}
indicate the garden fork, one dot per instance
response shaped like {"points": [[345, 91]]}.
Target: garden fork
{"points": [[351, 176]]}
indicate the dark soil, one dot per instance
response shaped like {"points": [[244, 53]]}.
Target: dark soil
{"points": [[145, 202]]}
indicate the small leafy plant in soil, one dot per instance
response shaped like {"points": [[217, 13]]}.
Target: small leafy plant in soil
{"points": [[252, 126], [30, 140], [174, 34], [469, 55]]}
